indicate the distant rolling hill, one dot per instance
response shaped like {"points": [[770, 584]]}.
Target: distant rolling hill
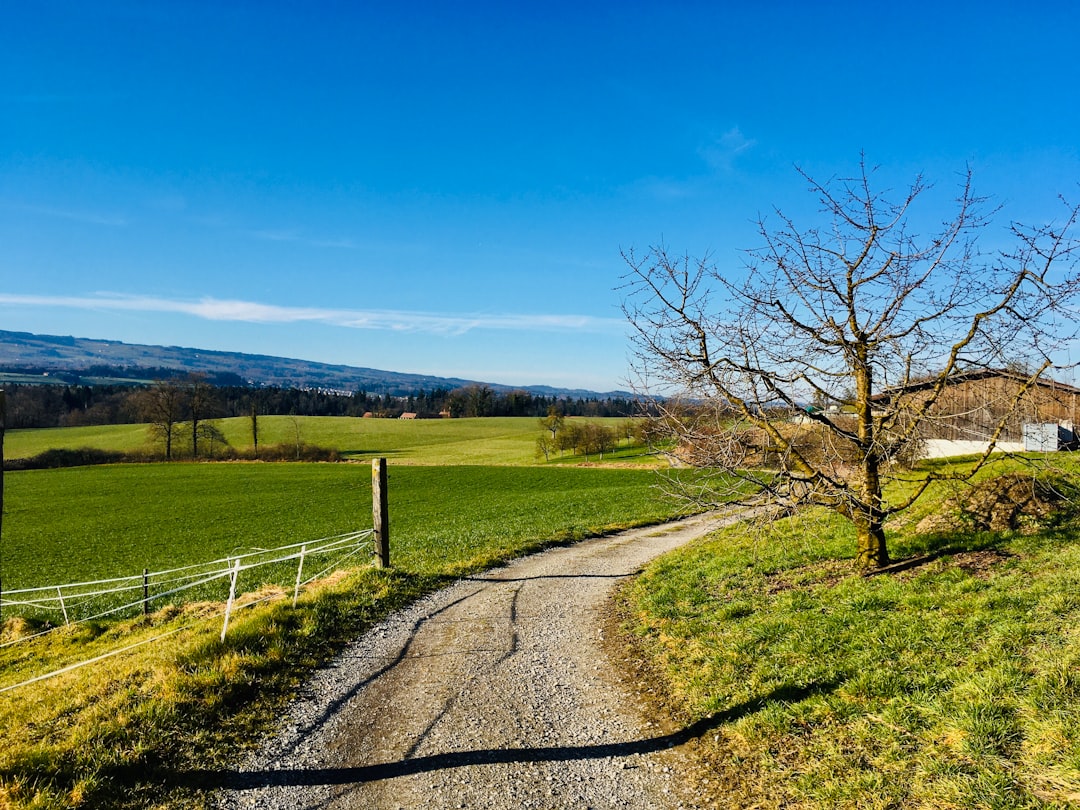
{"points": [[25, 357]]}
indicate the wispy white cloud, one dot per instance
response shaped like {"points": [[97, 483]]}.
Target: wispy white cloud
{"points": [[90, 217], [719, 154], [215, 309], [269, 235], [292, 235], [722, 152], [735, 142], [666, 189]]}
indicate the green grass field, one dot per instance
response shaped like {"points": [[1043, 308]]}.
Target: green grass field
{"points": [[88, 523], [493, 440], [120, 438], [955, 683]]}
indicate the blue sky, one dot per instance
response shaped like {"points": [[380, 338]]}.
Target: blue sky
{"points": [[445, 188]]}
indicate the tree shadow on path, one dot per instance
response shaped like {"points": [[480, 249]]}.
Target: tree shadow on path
{"points": [[299, 777]]}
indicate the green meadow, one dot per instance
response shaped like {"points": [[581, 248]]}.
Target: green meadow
{"points": [[489, 440], [88, 523], [953, 681]]}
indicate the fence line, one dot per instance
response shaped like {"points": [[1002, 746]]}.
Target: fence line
{"points": [[192, 576], [51, 598], [166, 634], [80, 664], [344, 537], [338, 542]]}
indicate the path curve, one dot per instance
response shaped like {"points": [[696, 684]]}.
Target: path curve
{"points": [[492, 693]]}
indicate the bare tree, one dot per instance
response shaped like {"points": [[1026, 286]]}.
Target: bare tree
{"points": [[202, 403], [297, 433], [839, 314], [212, 437], [255, 428], [161, 405]]}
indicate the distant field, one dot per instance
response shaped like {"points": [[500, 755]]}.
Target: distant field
{"points": [[494, 440], [123, 438], [40, 379], [94, 522]]}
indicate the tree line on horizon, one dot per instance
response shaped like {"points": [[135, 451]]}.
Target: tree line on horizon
{"points": [[51, 405]]}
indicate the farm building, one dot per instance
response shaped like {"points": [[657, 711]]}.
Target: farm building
{"points": [[973, 404], [964, 418]]}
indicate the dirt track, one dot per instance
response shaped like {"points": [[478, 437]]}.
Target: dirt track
{"points": [[493, 693]]}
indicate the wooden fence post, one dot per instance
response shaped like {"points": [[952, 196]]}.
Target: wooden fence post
{"points": [[299, 572], [146, 592], [380, 513], [232, 598], [3, 425]]}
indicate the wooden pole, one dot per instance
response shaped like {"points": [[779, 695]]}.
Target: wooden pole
{"points": [[232, 598], [146, 592], [3, 425], [380, 513], [299, 572]]}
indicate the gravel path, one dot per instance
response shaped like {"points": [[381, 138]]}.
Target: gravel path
{"points": [[492, 693]]}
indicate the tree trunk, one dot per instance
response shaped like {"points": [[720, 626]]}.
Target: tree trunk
{"points": [[870, 549], [255, 429]]}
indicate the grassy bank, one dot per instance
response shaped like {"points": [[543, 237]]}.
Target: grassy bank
{"points": [[150, 727], [952, 683]]}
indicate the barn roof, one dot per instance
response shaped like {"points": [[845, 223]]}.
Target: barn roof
{"points": [[973, 375]]}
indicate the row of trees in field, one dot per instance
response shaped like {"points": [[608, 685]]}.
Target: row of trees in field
{"points": [[561, 435], [52, 405]]}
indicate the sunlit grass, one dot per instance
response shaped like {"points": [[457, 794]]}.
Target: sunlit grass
{"points": [[88, 523], [955, 683], [481, 441]]}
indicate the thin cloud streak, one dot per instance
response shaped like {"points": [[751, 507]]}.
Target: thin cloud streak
{"points": [[296, 236], [90, 217], [214, 309]]}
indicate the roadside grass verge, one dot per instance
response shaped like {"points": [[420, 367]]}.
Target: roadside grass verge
{"points": [[952, 683], [151, 727], [145, 728]]}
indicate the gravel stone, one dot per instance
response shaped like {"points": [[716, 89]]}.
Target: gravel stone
{"points": [[492, 693]]}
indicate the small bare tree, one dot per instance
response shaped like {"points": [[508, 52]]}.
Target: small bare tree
{"points": [[202, 403], [255, 428], [212, 437], [162, 406], [838, 315], [297, 434]]}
